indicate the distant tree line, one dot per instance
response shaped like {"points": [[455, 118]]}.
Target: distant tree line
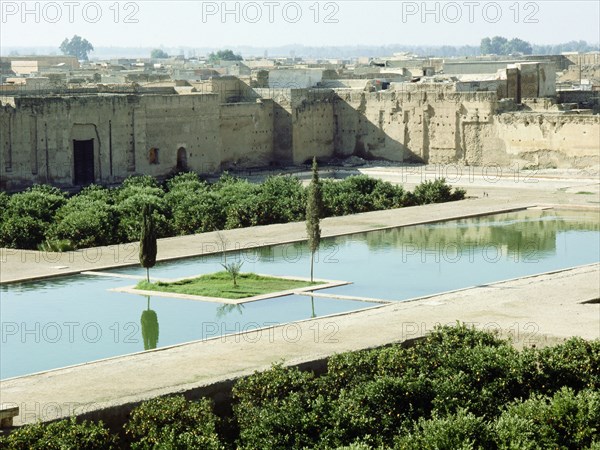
{"points": [[499, 45]]}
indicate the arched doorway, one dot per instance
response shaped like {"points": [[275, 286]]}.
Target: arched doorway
{"points": [[181, 159]]}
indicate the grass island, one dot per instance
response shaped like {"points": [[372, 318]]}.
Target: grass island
{"points": [[220, 285]]}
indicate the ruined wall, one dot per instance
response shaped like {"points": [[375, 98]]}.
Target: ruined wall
{"points": [[162, 134], [312, 124], [546, 140], [246, 132], [419, 126], [444, 127], [175, 122], [38, 134]]}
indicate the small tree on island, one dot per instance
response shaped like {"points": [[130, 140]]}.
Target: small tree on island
{"points": [[233, 269], [148, 247], [314, 212]]}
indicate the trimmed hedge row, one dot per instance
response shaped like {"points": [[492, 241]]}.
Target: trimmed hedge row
{"points": [[45, 218], [457, 389]]}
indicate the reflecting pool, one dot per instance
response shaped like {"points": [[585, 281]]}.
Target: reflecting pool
{"points": [[76, 319]]}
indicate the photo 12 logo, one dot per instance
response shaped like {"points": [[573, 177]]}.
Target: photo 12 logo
{"points": [[470, 12], [69, 12], [270, 12]]}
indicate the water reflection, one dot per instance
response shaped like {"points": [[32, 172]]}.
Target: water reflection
{"points": [[149, 321], [312, 302], [226, 308], [517, 235]]}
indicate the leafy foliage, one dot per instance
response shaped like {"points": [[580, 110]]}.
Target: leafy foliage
{"points": [[64, 434], [28, 215], [87, 219], [45, 216], [499, 45], [233, 269], [447, 391], [566, 420], [436, 191], [173, 423], [460, 431], [458, 388], [224, 55]]}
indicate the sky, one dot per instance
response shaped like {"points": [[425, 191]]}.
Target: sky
{"points": [[173, 24]]}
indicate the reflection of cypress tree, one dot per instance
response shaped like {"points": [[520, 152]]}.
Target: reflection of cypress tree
{"points": [[149, 322], [312, 302]]}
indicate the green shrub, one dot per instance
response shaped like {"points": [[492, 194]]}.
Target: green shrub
{"points": [[239, 201], [567, 420], [65, 434], [372, 412], [272, 384], [4, 201], [187, 205], [183, 180], [24, 232], [173, 423], [86, 220], [436, 191], [574, 363], [56, 245], [340, 198], [28, 215], [346, 370], [283, 199], [460, 431], [276, 409], [130, 200], [195, 208], [387, 196], [356, 446]]}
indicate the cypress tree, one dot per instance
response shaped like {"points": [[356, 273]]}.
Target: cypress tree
{"points": [[314, 212], [148, 241]]}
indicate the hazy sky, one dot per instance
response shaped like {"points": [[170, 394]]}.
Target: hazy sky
{"points": [[275, 23]]}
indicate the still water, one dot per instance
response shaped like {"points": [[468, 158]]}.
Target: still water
{"points": [[77, 319]]}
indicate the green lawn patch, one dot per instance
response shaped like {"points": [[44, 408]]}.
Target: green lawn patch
{"points": [[220, 285]]}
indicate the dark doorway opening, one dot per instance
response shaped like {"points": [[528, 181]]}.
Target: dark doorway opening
{"points": [[83, 162], [181, 160]]}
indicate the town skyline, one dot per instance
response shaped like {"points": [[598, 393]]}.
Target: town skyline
{"points": [[267, 24]]}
